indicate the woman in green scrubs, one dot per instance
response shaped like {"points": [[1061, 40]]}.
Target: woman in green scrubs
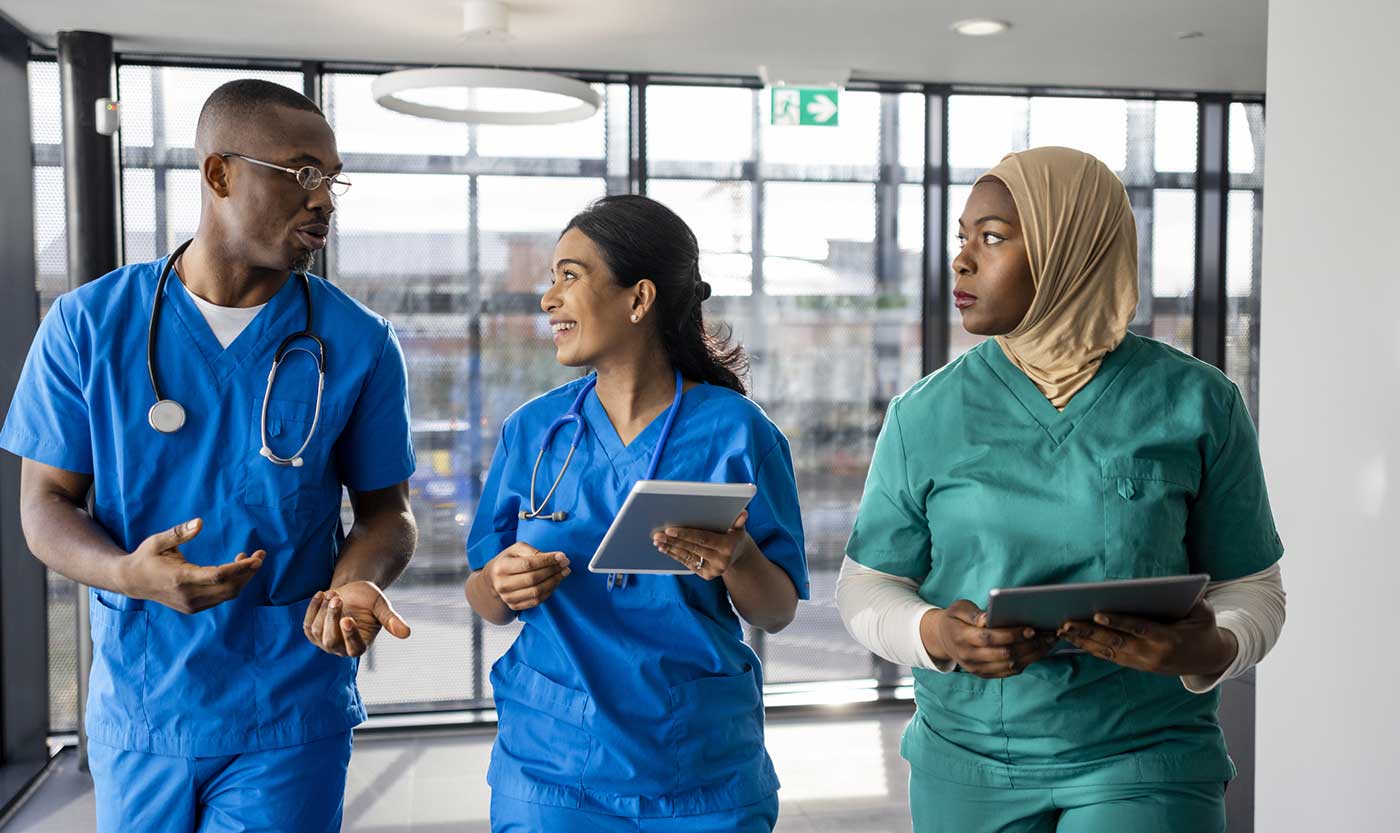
{"points": [[1065, 449]]}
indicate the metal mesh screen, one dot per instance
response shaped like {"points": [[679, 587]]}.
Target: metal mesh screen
{"points": [[51, 275], [1151, 145], [1244, 229], [160, 184]]}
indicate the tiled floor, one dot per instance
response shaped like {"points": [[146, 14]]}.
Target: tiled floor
{"points": [[840, 774]]}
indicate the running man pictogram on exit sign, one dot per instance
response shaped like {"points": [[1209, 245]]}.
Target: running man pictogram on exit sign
{"points": [[817, 106]]}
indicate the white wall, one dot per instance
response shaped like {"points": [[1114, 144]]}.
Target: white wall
{"points": [[1329, 695]]}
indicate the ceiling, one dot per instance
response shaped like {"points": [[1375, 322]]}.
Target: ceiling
{"points": [[1101, 43]]}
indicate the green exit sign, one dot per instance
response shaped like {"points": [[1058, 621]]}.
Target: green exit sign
{"points": [[806, 105]]}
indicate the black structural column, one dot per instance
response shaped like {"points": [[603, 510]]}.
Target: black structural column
{"points": [[86, 72], [937, 270], [1212, 191], [24, 690], [89, 158]]}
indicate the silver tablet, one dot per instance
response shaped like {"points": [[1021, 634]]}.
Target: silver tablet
{"points": [[657, 504], [1046, 607]]}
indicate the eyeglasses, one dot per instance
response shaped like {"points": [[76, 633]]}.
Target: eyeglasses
{"points": [[309, 177]]}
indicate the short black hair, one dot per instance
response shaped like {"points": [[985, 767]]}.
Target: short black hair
{"points": [[241, 103]]}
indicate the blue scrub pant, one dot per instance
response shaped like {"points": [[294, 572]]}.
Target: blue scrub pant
{"points": [[509, 815], [297, 789], [1176, 807]]}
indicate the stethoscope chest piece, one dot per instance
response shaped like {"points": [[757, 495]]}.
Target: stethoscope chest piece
{"points": [[166, 416]]}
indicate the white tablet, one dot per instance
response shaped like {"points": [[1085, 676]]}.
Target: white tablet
{"points": [[1046, 607], [657, 504]]}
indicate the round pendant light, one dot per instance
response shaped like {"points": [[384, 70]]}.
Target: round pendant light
{"points": [[501, 96]]}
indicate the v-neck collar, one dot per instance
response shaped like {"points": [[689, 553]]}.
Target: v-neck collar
{"points": [[1057, 424], [625, 456], [222, 361]]}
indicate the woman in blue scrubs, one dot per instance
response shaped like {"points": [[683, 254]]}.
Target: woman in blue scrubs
{"points": [[632, 702]]}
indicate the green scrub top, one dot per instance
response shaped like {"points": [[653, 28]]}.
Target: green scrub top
{"points": [[978, 482]]}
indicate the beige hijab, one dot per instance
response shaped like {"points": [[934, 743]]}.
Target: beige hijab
{"points": [[1082, 243]]}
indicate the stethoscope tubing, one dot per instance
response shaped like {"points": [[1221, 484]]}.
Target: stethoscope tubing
{"points": [[282, 350], [574, 415]]}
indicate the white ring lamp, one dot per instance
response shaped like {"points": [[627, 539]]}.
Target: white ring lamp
{"points": [[387, 88]]}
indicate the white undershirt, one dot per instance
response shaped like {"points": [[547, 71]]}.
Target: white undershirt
{"points": [[226, 322], [882, 612]]}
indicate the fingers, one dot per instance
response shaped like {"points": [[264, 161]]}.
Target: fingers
{"points": [[520, 549], [390, 619], [510, 582], [695, 540], [1127, 624], [529, 597], [686, 553], [516, 564], [740, 522], [1102, 642], [310, 623], [237, 572], [966, 612], [332, 640], [995, 663], [354, 643], [177, 535]]}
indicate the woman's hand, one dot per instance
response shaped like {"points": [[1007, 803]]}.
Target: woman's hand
{"points": [[522, 577], [1194, 645], [710, 555], [959, 632]]}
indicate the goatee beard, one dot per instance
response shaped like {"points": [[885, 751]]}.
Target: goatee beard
{"points": [[303, 262]]}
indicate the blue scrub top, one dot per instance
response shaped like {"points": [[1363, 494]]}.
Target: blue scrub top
{"points": [[642, 700], [241, 676]]}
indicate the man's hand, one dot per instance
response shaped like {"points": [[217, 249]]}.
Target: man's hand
{"points": [[345, 620], [157, 571]]}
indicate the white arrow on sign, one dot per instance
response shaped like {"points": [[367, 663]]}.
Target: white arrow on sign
{"points": [[822, 108]]}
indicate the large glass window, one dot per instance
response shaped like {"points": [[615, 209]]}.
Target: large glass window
{"points": [[812, 238], [814, 246], [1151, 145], [51, 271], [1244, 228], [457, 260]]}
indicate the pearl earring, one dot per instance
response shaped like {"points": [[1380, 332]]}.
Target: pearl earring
{"points": [[634, 318]]}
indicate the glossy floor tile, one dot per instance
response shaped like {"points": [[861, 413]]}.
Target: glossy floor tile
{"points": [[841, 774]]}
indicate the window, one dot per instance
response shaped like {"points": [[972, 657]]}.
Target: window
{"points": [[812, 238], [1150, 145], [1244, 228], [815, 260]]}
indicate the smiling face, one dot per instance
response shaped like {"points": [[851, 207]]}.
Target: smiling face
{"points": [[588, 312], [993, 289]]}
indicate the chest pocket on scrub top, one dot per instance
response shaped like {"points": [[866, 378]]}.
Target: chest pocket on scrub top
{"points": [[288, 424], [1145, 507]]}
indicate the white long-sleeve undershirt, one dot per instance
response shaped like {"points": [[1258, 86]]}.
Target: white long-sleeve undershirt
{"points": [[883, 611]]}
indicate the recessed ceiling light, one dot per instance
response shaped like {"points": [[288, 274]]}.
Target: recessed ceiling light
{"points": [[980, 27]]}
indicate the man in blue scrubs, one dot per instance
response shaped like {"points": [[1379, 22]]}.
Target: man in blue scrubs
{"points": [[228, 605]]}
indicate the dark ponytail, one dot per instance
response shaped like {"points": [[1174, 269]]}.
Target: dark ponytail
{"points": [[641, 238]]}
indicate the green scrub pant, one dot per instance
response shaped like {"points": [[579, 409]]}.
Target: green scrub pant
{"points": [[1165, 807]]}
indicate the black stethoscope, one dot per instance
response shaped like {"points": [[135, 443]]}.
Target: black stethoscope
{"points": [[168, 416]]}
